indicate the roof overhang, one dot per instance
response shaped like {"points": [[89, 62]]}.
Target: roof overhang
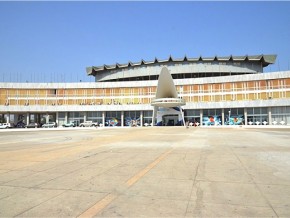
{"points": [[264, 59]]}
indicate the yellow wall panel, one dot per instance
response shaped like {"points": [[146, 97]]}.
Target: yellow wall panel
{"points": [[206, 98], [194, 99], [217, 98], [70, 92], [2, 100], [33, 92], [287, 82], [186, 88], [70, 102], [227, 86], [42, 102], [251, 96], [251, 85], [275, 83], [239, 85], [60, 92], [228, 97], [263, 84], [42, 93], [126, 91], [264, 95], [22, 102], [146, 101], [12, 92], [135, 91], [275, 94], [239, 97], [216, 87], [80, 92], [12, 102]]}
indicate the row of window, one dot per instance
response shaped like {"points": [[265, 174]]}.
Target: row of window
{"points": [[256, 115], [144, 100], [182, 89]]}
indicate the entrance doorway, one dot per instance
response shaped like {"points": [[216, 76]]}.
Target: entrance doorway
{"points": [[170, 120]]}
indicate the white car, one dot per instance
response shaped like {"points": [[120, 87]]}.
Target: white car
{"points": [[5, 125], [49, 125], [89, 124]]}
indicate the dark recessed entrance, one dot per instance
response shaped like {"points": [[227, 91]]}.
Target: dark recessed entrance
{"points": [[170, 120]]}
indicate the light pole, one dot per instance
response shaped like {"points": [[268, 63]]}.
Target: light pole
{"points": [[229, 116]]}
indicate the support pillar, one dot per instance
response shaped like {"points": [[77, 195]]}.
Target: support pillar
{"points": [[201, 116], [246, 116], [141, 118], [8, 118], [47, 118], [270, 115], [27, 118], [182, 115], [155, 108], [56, 118], [103, 118], [122, 118], [66, 117], [223, 116]]}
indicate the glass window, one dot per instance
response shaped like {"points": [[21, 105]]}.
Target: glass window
{"points": [[95, 116], [131, 117], [147, 117], [61, 115], [113, 118], [250, 110], [147, 114], [264, 110], [76, 117]]}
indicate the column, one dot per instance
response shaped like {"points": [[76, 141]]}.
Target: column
{"points": [[103, 118], [56, 118], [200, 115], [85, 116], [154, 115], [8, 118], [27, 118], [223, 116], [65, 117], [122, 118], [141, 118], [182, 115], [47, 118], [270, 115], [246, 116]]}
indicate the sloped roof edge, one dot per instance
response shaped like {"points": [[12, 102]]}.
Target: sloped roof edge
{"points": [[265, 59]]}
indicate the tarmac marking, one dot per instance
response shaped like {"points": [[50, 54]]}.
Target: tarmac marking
{"points": [[139, 175], [95, 209], [102, 204]]}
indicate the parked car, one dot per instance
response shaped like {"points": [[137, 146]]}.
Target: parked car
{"points": [[20, 125], [49, 125], [71, 124], [33, 125], [5, 125], [89, 124]]}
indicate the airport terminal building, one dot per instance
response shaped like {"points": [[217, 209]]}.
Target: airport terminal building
{"points": [[230, 90]]}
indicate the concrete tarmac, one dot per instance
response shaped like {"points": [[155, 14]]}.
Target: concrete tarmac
{"points": [[145, 172]]}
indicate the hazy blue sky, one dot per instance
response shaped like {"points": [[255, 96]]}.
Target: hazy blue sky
{"points": [[56, 41]]}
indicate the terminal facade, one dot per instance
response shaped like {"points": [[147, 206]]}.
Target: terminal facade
{"points": [[230, 90]]}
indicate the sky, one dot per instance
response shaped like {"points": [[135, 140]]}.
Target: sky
{"points": [[56, 41]]}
